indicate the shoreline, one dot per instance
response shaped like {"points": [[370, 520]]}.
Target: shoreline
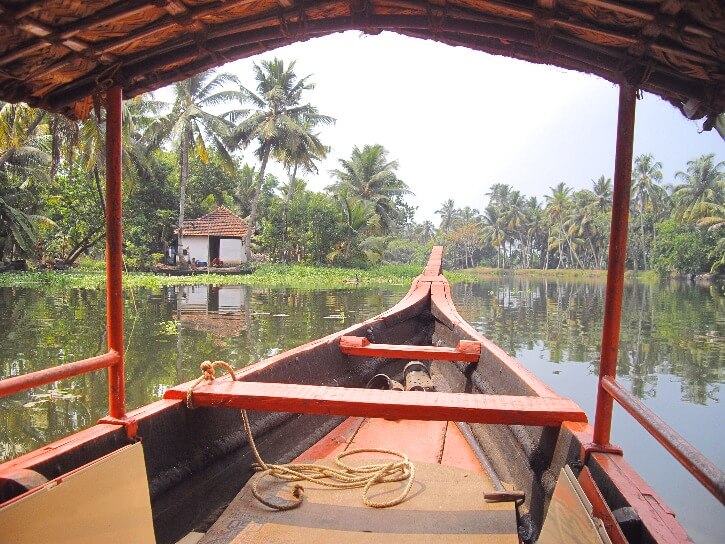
{"points": [[316, 277]]}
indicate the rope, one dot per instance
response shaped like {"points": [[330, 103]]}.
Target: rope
{"points": [[343, 477], [207, 369]]}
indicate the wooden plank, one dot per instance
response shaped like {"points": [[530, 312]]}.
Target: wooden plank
{"points": [[418, 405], [422, 441], [467, 350], [600, 509], [106, 500]]}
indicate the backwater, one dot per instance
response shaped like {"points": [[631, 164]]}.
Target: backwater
{"points": [[672, 354]]}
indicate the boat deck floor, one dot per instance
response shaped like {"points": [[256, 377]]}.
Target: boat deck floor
{"points": [[445, 504]]}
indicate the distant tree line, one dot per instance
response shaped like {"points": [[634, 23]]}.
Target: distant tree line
{"points": [[184, 158], [677, 227]]}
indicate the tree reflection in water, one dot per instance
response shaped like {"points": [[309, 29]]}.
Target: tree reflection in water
{"points": [[673, 330]]}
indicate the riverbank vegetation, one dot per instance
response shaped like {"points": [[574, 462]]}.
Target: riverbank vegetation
{"points": [[212, 146], [270, 275]]}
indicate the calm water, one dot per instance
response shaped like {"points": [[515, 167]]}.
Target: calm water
{"points": [[672, 356]]}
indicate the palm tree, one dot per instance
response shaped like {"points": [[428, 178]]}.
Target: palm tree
{"points": [[514, 218], [646, 192], [357, 214], [703, 187], [23, 139], [603, 191], [493, 231], [427, 232], [24, 144], [303, 149], [279, 123], [448, 213], [192, 129], [558, 206], [534, 236], [371, 177], [499, 194]]}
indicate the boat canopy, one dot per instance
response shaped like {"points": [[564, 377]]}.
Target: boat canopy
{"points": [[59, 54]]}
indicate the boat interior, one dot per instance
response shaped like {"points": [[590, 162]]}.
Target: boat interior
{"points": [[489, 443]]}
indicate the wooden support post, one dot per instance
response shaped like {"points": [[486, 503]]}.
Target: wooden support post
{"points": [[467, 350], [617, 259], [114, 257]]}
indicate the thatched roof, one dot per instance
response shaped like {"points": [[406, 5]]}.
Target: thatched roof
{"points": [[56, 54], [221, 222]]}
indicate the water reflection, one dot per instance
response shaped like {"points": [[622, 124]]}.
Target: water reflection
{"points": [[168, 333], [667, 330], [671, 331], [672, 354]]}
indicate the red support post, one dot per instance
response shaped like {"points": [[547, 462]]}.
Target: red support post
{"points": [[617, 259], [114, 262]]}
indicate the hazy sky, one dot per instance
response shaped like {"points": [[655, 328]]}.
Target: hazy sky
{"points": [[459, 120]]}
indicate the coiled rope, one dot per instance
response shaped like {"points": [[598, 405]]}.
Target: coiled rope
{"points": [[343, 477]]}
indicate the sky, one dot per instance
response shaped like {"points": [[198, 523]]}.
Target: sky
{"points": [[458, 120]]}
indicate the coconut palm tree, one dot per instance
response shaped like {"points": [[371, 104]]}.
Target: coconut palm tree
{"points": [[558, 205], [427, 231], [193, 129], [279, 123], [448, 213], [603, 191], [24, 157], [371, 177], [357, 215], [494, 231], [304, 149], [647, 194], [24, 141], [703, 187]]}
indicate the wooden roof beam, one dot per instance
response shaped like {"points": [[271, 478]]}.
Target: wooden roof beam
{"points": [[118, 12], [176, 52]]}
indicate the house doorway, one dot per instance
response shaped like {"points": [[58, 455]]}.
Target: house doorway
{"points": [[214, 242]]}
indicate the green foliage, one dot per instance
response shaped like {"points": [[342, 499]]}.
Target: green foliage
{"points": [[368, 176], [679, 248], [290, 275], [16, 229], [407, 252], [170, 327], [75, 205], [302, 229]]}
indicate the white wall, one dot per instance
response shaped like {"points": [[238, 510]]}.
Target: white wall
{"points": [[230, 251], [231, 298], [198, 247], [193, 297]]}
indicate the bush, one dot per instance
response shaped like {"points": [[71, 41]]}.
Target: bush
{"points": [[679, 248]]}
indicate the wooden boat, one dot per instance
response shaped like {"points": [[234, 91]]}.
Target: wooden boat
{"points": [[158, 472], [310, 402]]}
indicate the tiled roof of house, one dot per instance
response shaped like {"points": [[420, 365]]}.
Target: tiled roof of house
{"points": [[221, 222]]}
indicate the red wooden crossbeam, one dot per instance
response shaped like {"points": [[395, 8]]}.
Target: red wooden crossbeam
{"points": [[417, 405], [467, 350]]}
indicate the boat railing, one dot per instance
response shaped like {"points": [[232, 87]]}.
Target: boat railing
{"points": [[24, 382], [609, 390], [113, 358], [706, 472]]}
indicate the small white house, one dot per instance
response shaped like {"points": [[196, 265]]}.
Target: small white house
{"points": [[216, 235]]}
